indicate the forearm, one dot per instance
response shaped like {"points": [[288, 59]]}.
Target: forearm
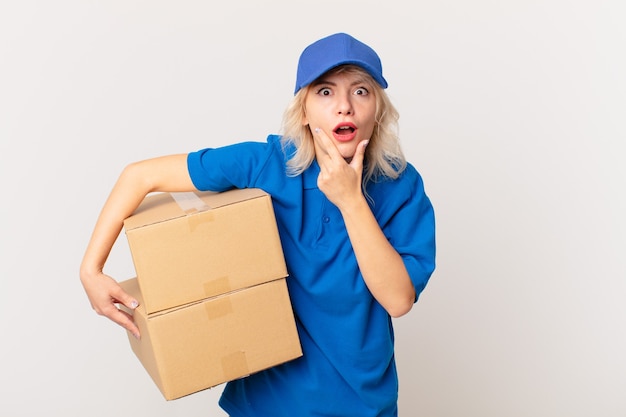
{"points": [[124, 198], [135, 182], [382, 267]]}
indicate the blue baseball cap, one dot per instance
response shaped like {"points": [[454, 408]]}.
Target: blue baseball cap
{"points": [[333, 51]]}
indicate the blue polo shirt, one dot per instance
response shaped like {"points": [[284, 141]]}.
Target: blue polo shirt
{"points": [[348, 366]]}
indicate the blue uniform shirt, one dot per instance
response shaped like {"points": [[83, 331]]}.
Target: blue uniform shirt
{"points": [[348, 366]]}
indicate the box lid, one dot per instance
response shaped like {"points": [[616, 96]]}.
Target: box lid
{"points": [[159, 207]]}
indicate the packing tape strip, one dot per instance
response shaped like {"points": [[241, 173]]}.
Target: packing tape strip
{"points": [[189, 202], [217, 286], [219, 307], [235, 365], [195, 221]]}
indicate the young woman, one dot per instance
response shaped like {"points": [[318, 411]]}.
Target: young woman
{"points": [[356, 226]]}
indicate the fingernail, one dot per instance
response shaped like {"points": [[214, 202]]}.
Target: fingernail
{"points": [[134, 304], [136, 335], [317, 130]]}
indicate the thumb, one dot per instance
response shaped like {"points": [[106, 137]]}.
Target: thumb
{"points": [[123, 297]]}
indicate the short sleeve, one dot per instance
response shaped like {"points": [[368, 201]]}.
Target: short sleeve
{"points": [[410, 227], [233, 166]]}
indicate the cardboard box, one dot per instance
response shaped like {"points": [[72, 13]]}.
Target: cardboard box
{"points": [[219, 339], [188, 247]]}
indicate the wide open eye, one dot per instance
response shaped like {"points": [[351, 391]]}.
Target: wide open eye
{"points": [[324, 91]]}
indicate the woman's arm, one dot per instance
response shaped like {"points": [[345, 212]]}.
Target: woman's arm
{"points": [[381, 265], [168, 173]]}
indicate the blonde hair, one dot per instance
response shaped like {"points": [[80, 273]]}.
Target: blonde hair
{"points": [[383, 156]]}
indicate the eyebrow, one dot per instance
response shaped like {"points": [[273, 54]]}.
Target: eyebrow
{"points": [[325, 81]]}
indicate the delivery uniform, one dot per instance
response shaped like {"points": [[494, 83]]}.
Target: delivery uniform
{"points": [[348, 366]]}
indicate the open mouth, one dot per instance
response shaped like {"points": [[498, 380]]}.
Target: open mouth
{"points": [[344, 130]]}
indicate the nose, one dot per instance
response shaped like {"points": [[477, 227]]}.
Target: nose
{"points": [[344, 105]]}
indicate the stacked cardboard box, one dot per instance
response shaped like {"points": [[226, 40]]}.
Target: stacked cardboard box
{"points": [[211, 281]]}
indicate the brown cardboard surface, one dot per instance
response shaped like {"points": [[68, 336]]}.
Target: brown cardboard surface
{"points": [[203, 344], [183, 255]]}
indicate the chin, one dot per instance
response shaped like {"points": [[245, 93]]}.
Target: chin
{"points": [[347, 152]]}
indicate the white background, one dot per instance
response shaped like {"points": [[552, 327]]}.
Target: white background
{"points": [[513, 111]]}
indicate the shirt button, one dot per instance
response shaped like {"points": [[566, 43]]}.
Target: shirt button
{"points": [[326, 219]]}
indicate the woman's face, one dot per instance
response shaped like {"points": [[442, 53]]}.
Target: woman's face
{"points": [[343, 105]]}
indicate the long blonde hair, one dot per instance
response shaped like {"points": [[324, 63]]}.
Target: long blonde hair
{"points": [[383, 158]]}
